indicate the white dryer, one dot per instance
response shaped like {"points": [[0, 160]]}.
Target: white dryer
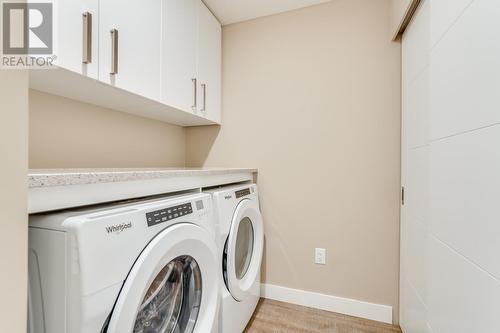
{"points": [[241, 242], [141, 267]]}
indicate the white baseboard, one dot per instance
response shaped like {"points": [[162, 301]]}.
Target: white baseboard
{"points": [[351, 307]]}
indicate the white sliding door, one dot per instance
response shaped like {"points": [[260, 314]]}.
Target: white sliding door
{"points": [[450, 227]]}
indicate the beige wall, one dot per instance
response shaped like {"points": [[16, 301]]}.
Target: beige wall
{"points": [[400, 11], [68, 134], [13, 200], [312, 99]]}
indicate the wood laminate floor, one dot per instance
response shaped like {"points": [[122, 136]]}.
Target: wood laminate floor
{"points": [[277, 317]]}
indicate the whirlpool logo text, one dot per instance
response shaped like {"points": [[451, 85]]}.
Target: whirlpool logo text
{"points": [[116, 229]]}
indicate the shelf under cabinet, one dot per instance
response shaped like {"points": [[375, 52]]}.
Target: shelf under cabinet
{"points": [[65, 83]]}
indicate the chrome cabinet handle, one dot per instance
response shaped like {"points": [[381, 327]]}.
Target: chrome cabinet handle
{"points": [[195, 93], [204, 87], [114, 51], [87, 38]]}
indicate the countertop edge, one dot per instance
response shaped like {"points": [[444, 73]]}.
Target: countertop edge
{"points": [[44, 178], [64, 189]]}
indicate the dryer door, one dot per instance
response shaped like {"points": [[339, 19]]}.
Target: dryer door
{"points": [[172, 286], [243, 249]]}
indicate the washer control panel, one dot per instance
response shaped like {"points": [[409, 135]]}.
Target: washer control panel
{"points": [[242, 193], [167, 214]]}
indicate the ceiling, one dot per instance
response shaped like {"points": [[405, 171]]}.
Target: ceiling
{"points": [[232, 11]]}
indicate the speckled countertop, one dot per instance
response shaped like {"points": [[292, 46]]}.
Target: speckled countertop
{"points": [[64, 177]]}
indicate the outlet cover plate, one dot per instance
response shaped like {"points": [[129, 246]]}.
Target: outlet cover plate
{"points": [[320, 256]]}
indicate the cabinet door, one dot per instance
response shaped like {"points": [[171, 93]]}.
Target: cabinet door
{"points": [[209, 64], [179, 48], [71, 36], [138, 24]]}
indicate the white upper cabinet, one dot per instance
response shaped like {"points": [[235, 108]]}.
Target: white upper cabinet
{"points": [[78, 38], [209, 63], [191, 58], [179, 47], [159, 59], [130, 45]]}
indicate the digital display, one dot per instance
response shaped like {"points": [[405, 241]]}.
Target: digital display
{"points": [[167, 214], [199, 205]]}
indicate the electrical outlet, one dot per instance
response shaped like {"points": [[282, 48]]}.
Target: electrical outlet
{"points": [[320, 256]]}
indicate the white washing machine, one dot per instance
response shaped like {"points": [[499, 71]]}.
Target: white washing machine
{"points": [[241, 242], [141, 267]]}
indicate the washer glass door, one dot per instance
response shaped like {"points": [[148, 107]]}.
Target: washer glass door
{"points": [[244, 247], [172, 287], [172, 302], [243, 250]]}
